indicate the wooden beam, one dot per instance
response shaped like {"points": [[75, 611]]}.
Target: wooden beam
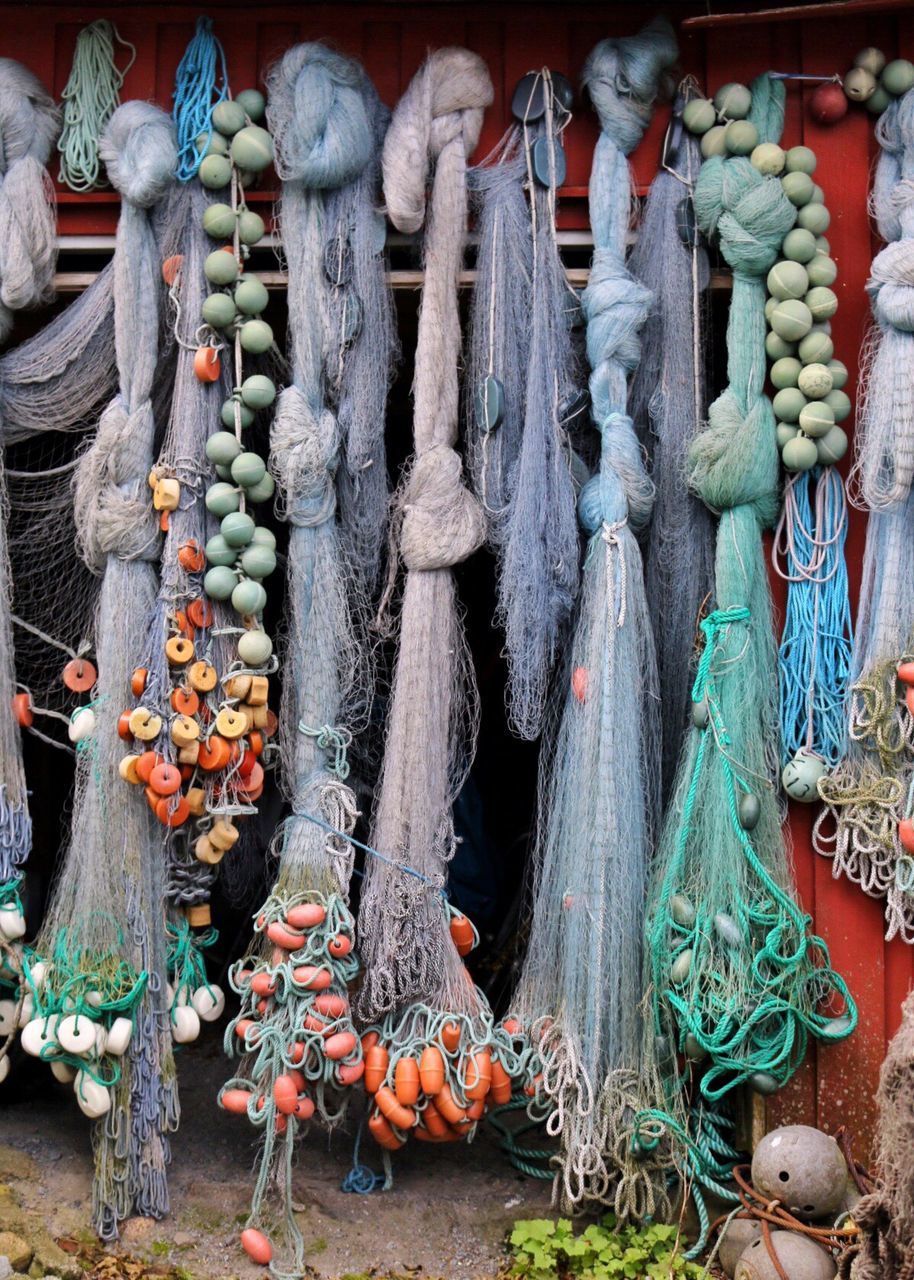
{"points": [[67, 282], [795, 13]]}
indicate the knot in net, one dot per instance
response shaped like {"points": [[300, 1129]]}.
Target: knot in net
{"points": [[304, 459], [29, 117], [623, 78], [442, 522], [622, 489], [891, 282], [110, 489], [747, 212], [727, 467], [616, 307], [140, 153], [318, 116], [443, 104]]}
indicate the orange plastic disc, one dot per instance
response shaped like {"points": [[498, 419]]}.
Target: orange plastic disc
{"points": [[185, 702], [184, 624], [191, 557], [124, 731], [214, 754], [170, 268], [200, 612], [207, 366], [79, 675], [165, 778], [170, 814], [22, 709]]}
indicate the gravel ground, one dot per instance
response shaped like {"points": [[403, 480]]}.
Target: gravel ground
{"points": [[446, 1216]]}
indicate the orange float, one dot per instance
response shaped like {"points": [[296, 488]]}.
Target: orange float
{"points": [[170, 268], [382, 1133], [185, 701], [406, 1081], [462, 934], [200, 612], [377, 1060], [79, 675], [22, 709], [431, 1070], [257, 1246], [214, 754], [207, 365], [450, 1036], [191, 557], [172, 815], [399, 1116]]}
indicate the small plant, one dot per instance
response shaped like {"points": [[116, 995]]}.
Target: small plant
{"points": [[545, 1250]]}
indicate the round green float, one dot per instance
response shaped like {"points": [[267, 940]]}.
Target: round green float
{"points": [[791, 319], [228, 117]]}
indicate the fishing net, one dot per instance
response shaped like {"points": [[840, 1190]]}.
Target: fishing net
{"points": [[667, 404], [96, 962], [427, 1010], [521, 347], [737, 984], [866, 826], [295, 1033], [29, 125], [580, 991]]}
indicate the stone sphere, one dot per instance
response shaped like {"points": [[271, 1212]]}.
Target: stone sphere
{"points": [[803, 1168], [800, 1258], [735, 1240]]}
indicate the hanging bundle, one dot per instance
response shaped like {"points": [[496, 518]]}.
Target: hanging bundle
{"points": [[499, 336], [294, 1032], [433, 1059], [737, 984], [90, 96], [199, 714], [521, 350], [432, 717], [867, 827], [53, 386], [579, 994], [94, 1002], [29, 125], [668, 405], [201, 82]]}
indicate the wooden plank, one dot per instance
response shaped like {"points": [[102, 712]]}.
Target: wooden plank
{"points": [[851, 924], [828, 9]]}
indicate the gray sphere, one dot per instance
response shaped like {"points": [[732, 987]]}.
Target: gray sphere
{"points": [[800, 1258], [803, 1168], [735, 1240]]}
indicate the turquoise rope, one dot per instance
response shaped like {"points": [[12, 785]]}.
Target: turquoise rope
{"points": [[196, 93]]}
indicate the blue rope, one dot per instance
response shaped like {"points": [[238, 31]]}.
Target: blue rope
{"points": [[366, 848], [196, 93], [360, 1180], [815, 650]]}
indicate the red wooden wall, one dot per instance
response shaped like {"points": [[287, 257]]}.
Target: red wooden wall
{"points": [[392, 39]]}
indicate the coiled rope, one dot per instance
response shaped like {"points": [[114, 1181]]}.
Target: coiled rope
{"points": [[89, 98]]}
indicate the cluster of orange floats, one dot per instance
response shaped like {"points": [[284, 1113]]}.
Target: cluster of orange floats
{"points": [[201, 751], [438, 1096], [295, 1023]]}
